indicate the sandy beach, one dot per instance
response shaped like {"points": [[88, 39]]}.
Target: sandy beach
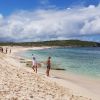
{"points": [[21, 83]]}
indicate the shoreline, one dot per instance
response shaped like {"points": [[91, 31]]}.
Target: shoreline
{"points": [[21, 83], [78, 84]]}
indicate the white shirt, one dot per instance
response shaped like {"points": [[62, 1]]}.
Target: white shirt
{"points": [[34, 62]]}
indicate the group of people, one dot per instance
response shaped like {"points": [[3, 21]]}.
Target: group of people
{"points": [[35, 64], [8, 50], [5, 50]]}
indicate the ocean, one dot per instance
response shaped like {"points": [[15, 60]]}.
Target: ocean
{"points": [[82, 61]]}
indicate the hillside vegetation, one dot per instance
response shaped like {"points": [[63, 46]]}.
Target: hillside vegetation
{"points": [[70, 43]]}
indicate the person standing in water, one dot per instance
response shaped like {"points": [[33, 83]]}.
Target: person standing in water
{"points": [[48, 66]]}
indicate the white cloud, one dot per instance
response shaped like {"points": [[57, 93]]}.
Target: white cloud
{"points": [[51, 24], [44, 2]]}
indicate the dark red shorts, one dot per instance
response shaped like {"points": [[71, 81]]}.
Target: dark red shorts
{"points": [[48, 67]]}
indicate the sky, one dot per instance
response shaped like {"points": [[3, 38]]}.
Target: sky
{"points": [[40, 20]]}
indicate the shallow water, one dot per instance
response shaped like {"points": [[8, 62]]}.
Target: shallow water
{"points": [[83, 61]]}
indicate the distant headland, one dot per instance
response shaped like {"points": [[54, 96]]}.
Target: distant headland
{"points": [[63, 43]]}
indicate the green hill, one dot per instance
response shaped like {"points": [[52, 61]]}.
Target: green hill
{"points": [[70, 43]]}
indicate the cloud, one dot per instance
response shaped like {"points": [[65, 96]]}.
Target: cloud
{"points": [[44, 2], [42, 24]]}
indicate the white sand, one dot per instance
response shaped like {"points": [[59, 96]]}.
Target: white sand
{"points": [[19, 82]]}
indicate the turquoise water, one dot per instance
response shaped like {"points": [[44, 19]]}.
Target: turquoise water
{"points": [[84, 61]]}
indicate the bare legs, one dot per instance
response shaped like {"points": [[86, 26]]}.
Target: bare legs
{"points": [[47, 71], [34, 68]]}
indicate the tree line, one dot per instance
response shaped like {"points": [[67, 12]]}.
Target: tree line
{"points": [[70, 43]]}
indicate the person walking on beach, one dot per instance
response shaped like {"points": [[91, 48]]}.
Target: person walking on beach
{"points": [[6, 50], [10, 51], [34, 64], [1, 49], [48, 66]]}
